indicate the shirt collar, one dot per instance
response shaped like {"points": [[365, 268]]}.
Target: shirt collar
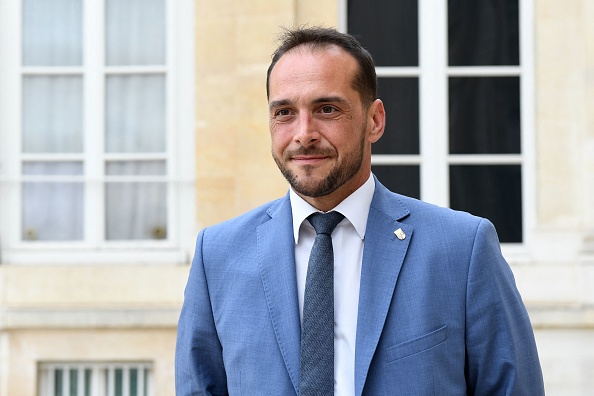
{"points": [[355, 208]]}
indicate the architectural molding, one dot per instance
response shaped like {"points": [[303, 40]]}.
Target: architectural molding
{"points": [[562, 317], [85, 318]]}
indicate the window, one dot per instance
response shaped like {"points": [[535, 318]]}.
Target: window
{"points": [[456, 80], [95, 379], [96, 135]]}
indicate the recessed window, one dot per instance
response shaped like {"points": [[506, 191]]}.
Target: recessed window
{"points": [[94, 140], [57, 128], [95, 379], [452, 82]]}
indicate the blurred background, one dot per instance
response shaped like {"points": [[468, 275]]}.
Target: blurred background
{"points": [[128, 125]]}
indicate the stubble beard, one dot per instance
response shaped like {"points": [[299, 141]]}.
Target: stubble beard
{"points": [[340, 174]]}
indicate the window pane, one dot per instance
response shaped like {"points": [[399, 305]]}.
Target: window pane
{"points": [[52, 168], [136, 210], [402, 179], [135, 114], [135, 32], [491, 191], [153, 168], [88, 379], [401, 100], [484, 115], [73, 382], [483, 32], [134, 382], [52, 32], [58, 388], [52, 114], [52, 211], [388, 29], [118, 382], [146, 381]]}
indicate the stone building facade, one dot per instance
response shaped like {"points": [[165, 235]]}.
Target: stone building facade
{"points": [[108, 311]]}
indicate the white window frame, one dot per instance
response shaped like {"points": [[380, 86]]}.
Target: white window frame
{"points": [[179, 69], [433, 73], [102, 378]]}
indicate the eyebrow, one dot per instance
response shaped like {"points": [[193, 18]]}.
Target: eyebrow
{"points": [[277, 103], [323, 99], [330, 99]]}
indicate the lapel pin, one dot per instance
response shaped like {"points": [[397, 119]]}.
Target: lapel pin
{"points": [[400, 234]]}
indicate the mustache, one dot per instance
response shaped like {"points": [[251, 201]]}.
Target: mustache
{"points": [[309, 151]]}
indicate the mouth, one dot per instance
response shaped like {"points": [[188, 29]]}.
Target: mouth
{"points": [[309, 159], [309, 156]]}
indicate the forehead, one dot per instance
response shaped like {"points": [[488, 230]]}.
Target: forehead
{"points": [[304, 67]]}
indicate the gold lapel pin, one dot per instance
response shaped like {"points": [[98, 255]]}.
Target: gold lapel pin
{"points": [[400, 234]]}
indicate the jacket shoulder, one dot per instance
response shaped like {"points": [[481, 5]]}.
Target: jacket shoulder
{"points": [[414, 211], [248, 221]]}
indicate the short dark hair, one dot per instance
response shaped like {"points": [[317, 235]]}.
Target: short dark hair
{"points": [[365, 80]]}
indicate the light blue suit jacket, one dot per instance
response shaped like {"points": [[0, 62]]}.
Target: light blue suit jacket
{"points": [[439, 312]]}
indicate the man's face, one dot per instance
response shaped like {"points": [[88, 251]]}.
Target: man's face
{"points": [[321, 132]]}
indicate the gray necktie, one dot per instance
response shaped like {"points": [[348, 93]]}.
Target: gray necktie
{"points": [[317, 333]]}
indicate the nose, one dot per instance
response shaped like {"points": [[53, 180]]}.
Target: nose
{"points": [[306, 132]]}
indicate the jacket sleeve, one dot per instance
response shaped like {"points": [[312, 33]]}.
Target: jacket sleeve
{"points": [[199, 367], [501, 351]]}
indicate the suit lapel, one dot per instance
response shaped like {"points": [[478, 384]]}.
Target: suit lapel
{"points": [[276, 246], [383, 255]]}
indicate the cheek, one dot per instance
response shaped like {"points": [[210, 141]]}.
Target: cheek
{"points": [[279, 141], [343, 136]]}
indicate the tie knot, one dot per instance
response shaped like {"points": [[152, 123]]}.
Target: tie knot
{"points": [[324, 223]]}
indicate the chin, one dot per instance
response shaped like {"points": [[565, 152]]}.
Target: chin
{"points": [[312, 187]]}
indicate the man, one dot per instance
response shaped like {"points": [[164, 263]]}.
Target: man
{"points": [[424, 303]]}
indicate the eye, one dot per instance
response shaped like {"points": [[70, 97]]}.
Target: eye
{"points": [[328, 109], [282, 113]]}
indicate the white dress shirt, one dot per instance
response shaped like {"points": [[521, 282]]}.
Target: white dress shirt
{"points": [[347, 242]]}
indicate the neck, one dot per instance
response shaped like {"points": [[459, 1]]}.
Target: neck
{"points": [[328, 202]]}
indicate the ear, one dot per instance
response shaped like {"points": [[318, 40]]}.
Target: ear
{"points": [[377, 118]]}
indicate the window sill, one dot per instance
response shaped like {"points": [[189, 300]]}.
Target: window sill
{"points": [[121, 253], [23, 318]]}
